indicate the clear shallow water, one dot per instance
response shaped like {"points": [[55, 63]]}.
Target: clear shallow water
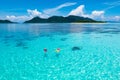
{"points": [[22, 56]]}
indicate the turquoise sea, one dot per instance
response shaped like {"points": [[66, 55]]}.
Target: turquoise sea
{"points": [[87, 51]]}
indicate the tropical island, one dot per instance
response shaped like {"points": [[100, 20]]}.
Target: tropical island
{"points": [[58, 19], [5, 21], [61, 19]]}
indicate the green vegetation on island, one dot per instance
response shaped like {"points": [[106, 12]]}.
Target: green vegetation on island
{"points": [[58, 19], [5, 21], [61, 19]]}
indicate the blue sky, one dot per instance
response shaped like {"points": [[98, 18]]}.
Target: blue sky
{"points": [[21, 10]]}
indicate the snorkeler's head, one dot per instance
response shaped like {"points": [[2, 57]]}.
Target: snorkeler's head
{"points": [[58, 48], [45, 50]]}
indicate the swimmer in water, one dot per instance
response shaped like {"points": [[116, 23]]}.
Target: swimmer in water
{"points": [[57, 52], [45, 52]]}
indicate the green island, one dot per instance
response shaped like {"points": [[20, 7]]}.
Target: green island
{"points": [[58, 19], [61, 19], [5, 21]]}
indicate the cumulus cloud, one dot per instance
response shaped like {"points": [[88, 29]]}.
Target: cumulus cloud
{"points": [[79, 11], [31, 14], [97, 14], [34, 12], [54, 11], [18, 18]]}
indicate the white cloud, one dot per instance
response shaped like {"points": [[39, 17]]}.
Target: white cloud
{"points": [[31, 14], [34, 12], [113, 18], [79, 11], [117, 18], [55, 10], [97, 14], [18, 18]]}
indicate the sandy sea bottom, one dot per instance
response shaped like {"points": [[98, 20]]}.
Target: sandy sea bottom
{"points": [[87, 52]]}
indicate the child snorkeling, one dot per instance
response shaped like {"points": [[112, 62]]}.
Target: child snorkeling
{"points": [[45, 52], [57, 52]]}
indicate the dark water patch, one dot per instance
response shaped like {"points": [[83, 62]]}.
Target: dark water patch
{"points": [[45, 35], [5, 39], [9, 36], [63, 39], [5, 42], [86, 32], [29, 39], [23, 39], [89, 29], [76, 48], [109, 30], [108, 35], [20, 44], [52, 39], [115, 33], [48, 35], [97, 37], [19, 40], [42, 35], [25, 47]]}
